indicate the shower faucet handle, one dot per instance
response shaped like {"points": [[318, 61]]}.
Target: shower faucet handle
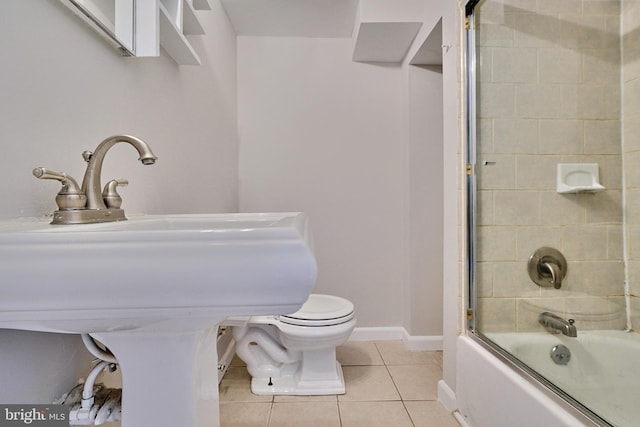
{"points": [[547, 267]]}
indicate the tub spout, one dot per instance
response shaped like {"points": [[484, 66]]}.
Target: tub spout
{"points": [[556, 324]]}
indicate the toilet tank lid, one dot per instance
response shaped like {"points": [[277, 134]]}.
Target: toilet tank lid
{"points": [[323, 307]]}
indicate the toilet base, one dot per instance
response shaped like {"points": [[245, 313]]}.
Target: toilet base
{"points": [[293, 385]]}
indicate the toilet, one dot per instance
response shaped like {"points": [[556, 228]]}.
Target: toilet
{"points": [[296, 354]]}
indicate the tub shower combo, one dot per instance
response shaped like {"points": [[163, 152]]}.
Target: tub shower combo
{"points": [[553, 190]]}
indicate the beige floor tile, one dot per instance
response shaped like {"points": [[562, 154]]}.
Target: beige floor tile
{"points": [[242, 414], [430, 414], [307, 414], [368, 383], [325, 398], [395, 353], [416, 382], [359, 353], [236, 387], [374, 414]]}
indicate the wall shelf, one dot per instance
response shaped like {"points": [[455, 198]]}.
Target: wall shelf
{"points": [[173, 41], [141, 28]]}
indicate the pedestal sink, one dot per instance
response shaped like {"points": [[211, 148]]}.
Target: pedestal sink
{"points": [[153, 289]]}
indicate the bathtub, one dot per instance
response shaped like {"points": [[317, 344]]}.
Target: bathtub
{"points": [[603, 374]]}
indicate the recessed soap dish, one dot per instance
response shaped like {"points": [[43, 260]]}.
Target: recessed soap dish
{"points": [[578, 177]]}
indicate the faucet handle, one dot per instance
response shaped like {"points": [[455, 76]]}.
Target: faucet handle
{"points": [[69, 197], [110, 193]]}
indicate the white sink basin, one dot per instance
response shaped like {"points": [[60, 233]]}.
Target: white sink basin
{"points": [[152, 272], [153, 289]]}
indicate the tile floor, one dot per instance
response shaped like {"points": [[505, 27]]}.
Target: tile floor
{"points": [[387, 385]]}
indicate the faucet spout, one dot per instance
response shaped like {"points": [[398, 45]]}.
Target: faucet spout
{"points": [[92, 182], [556, 324]]}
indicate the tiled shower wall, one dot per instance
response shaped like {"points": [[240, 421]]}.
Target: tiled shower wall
{"points": [[631, 120], [548, 86]]}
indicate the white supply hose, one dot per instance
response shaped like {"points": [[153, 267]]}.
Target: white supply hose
{"points": [[87, 391], [93, 348]]}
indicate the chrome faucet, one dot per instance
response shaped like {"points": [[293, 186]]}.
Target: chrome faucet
{"points": [[89, 204], [556, 324]]}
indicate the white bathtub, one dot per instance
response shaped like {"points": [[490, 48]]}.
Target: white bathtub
{"points": [[603, 374]]}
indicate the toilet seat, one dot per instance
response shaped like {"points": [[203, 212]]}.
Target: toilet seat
{"points": [[321, 310]]}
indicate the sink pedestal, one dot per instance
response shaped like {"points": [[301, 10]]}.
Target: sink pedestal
{"points": [[169, 379]]}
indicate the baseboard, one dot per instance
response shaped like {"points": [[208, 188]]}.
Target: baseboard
{"points": [[446, 396], [392, 333]]}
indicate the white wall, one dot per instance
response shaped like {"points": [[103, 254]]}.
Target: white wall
{"points": [[322, 134], [63, 90], [325, 135]]}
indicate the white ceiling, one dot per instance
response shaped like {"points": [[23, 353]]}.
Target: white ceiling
{"points": [[292, 18]]}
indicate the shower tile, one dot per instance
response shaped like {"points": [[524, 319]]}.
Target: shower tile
{"points": [[561, 136], [515, 136], [316, 414], [552, 7], [634, 242], [584, 32], [615, 243], [367, 414], [532, 238], [631, 67], [585, 242], [536, 172], [355, 353], [485, 134], [582, 102], [496, 100], [429, 414], [589, 313], [602, 66], [495, 35], [536, 30], [612, 103], [635, 313], [496, 243], [617, 306], [557, 65], [632, 201], [604, 207], [610, 171], [512, 280], [517, 65], [484, 279], [484, 200], [633, 173], [496, 314], [498, 174], [538, 100], [599, 277], [602, 7], [559, 209], [517, 208]]}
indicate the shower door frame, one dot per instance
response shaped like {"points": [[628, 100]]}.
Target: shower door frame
{"points": [[468, 52]]}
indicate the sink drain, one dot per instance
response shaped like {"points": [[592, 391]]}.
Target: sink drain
{"points": [[560, 354]]}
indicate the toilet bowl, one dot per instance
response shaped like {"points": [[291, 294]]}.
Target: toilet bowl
{"points": [[296, 354]]}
